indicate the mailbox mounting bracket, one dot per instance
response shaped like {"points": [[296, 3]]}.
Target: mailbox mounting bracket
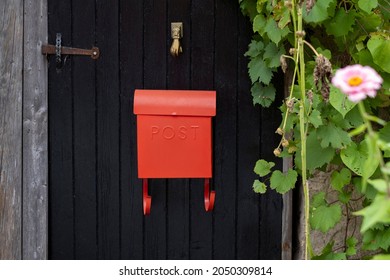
{"points": [[209, 197]]}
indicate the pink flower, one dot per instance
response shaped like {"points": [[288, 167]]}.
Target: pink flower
{"points": [[357, 81]]}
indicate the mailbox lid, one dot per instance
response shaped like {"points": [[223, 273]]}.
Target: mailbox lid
{"points": [[175, 102]]}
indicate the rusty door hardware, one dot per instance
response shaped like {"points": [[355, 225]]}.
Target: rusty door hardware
{"points": [[59, 50], [176, 34]]}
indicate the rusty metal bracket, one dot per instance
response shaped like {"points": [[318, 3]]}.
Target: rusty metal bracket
{"points": [[51, 49], [59, 50]]}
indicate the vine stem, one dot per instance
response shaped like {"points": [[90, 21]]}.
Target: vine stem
{"points": [[302, 85]]}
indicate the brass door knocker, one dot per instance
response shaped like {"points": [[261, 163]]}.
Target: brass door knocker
{"points": [[176, 34]]}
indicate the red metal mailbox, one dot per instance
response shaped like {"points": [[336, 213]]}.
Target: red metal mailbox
{"points": [[174, 136]]}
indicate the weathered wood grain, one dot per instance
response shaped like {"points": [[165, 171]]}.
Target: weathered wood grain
{"points": [[35, 137], [11, 66]]}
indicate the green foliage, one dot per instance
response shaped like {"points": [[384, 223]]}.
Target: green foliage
{"points": [[263, 168], [367, 6], [377, 212], [263, 95], [328, 254], [322, 126], [316, 156], [374, 239], [334, 136], [379, 47], [324, 216], [351, 243], [321, 11], [355, 156], [340, 179], [339, 101], [259, 187], [282, 183]]}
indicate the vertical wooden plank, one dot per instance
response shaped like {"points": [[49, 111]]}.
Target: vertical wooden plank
{"points": [[178, 189], [248, 153], [35, 133], [271, 202], [108, 117], [202, 78], [61, 219], [225, 130], [11, 66], [84, 131], [155, 77], [131, 75]]}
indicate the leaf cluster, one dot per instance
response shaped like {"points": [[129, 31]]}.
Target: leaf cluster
{"points": [[345, 32]]}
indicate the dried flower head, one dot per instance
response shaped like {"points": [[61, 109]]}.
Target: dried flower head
{"points": [[357, 81], [310, 96], [285, 142], [323, 73], [292, 51], [277, 152], [283, 63]]}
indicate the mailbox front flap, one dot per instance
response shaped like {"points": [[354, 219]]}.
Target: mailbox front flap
{"points": [[174, 102]]}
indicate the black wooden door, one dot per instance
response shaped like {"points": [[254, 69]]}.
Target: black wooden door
{"points": [[95, 195]]}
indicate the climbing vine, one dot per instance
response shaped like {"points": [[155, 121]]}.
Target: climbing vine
{"points": [[325, 127]]}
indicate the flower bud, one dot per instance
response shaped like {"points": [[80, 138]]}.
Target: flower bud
{"points": [[277, 152], [285, 143], [279, 131], [300, 34]]}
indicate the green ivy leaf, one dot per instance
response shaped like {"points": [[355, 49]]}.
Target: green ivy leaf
{"points": [[275, 34], [321, 11], [255, 48], [367, 5], [334, 136], [259, 187], [316, 156], [272, 55], [380, 49], [259, 23], [282, 183], [369, 21], [318, 200], [339, 179], [351, 246], [341, 23], [374, 239], [344, 198], [377, 212], [258, 71], [263, 168], [325, 217], [315, 118], [248, 8], [339, 101], [328, 254], [355, 156], [263, 95]]}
